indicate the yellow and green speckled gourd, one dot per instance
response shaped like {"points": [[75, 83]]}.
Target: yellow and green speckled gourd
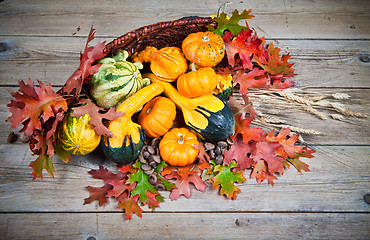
{"points": [[77, 136], [116, 80], [128, 137]]}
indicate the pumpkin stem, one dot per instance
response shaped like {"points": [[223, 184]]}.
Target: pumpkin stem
{"points": [[181, 138], [193, 68], [148, 110], [205, 38]]}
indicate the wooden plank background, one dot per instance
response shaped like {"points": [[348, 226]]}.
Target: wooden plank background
{"points": [[329, 44]]}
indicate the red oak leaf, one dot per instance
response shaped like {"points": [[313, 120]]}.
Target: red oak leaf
{"points": [[87, 67], [261, 173], [249, 133], [130, 206], [106, 175], [238, 152], [98, 194], [256, 79], [267, 152], [244, 46], [119, 187], [34, 105], [96, 116], [202, 155]]}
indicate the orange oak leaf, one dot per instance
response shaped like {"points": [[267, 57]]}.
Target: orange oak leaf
{"points": [[261, 173], [274, 64], [154, 199], [130, 206], [97, 115], [42, 162], [34, 105], [248, 133], [183, 184], [87, 66], [298, 164], [289, 142]]}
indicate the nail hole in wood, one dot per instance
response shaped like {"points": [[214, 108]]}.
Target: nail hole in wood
{"points": [[3, 47], [364, 58], [367, 198]]}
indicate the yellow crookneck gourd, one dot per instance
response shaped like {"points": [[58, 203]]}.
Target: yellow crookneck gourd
{"points": [[128, 137], [209, 116]]}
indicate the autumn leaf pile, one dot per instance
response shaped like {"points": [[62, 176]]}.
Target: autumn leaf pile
{"points": [[251, 62]]}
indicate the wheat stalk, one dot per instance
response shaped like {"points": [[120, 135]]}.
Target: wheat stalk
{"points": [[337, 117], [295, 98], [341, 96], [315, 112]]}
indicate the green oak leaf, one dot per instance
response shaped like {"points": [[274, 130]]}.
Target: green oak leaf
{"points": [[232, 24], [142, 186], [225, 179]]}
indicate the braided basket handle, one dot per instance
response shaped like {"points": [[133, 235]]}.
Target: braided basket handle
{"points": [[158, 34]]}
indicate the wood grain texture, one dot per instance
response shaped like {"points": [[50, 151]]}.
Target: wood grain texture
{"points": [[198, 226], [318, 63], [328, 41], [337, 182], [277, 19]]}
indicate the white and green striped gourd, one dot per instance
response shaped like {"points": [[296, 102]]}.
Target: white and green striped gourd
{"points": [[116, 80]]}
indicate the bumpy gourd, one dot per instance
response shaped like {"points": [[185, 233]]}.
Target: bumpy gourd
{"points": [[176, 147], [157, 116], [197, 82], [206, 49], [167, 63], [128, 137], [116, 80], [77, 136], [209, 116]]}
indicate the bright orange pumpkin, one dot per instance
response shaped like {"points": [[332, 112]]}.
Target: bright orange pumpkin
{"points": [[157, 116], [197, 83], [206, 49], [176, 147]]}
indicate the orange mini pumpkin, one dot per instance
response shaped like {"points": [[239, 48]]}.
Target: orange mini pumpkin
{"points": [[176, 147], [197, 83], [157, 116], [206, 49]]}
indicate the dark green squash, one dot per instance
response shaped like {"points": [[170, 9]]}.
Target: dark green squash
{"points": [[208, 116]]}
